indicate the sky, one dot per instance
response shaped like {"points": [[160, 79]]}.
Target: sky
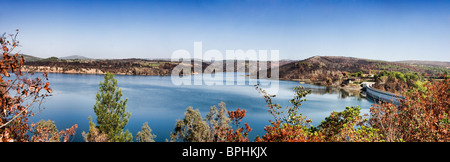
{"points": [[390, 30]]}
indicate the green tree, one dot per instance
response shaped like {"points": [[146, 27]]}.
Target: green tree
{"points": [[293, 115], [214, 128], [359, 74], [192, 128], [111, 111], [218, 122], [347, 126], [145, 135]]}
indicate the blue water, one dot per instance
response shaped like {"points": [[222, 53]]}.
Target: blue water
{"points": [[156, 100]]}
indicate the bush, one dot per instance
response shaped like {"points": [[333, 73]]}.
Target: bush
{"points": [[349, 126], [145, 135], [214, 128], [289, 125], [421, 116]]}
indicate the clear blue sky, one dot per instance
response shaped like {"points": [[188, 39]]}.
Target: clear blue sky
{"points": [[385, 30]]}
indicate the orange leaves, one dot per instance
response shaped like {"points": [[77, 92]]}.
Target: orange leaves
{"points": [[14, 124], [422, 115], [35, 89], [5, 136], [5, 48], [5, 72], [284, 132], [49, 90], [236, 116], [21, 61], [45, 131], [69, 132], [241, 134]]}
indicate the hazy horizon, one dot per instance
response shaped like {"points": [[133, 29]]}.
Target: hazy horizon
{"points": [[116, 29], [65, 57]]}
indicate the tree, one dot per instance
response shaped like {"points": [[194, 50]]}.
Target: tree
{"points": [[293, 127], [192, 128], [422, 116], [359, 74], [241, 133], [145, 135], [46, 131], [218, 122], [20, 94], [214, 128], [94, 134], [111, 112], [347, 126]]}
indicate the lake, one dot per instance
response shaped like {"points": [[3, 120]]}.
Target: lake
{"points": [[156, 100]]}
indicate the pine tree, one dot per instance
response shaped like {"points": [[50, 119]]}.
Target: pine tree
{"points": [[192, 128], [111, 111], [145, 135]]}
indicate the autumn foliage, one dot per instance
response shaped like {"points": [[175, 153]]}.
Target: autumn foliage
{"points": [[289, 125], [241, 133], [46, 131], [19, 95], [284, 132], [421, 117]]}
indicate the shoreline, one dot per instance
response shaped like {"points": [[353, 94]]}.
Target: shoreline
{"points": [[85, 71]]}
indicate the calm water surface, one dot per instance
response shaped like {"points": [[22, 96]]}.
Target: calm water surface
{"points": [[154, 99]]}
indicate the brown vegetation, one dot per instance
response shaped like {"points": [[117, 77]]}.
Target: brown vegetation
{"points": [[19, 95], [421, 117], [119, 66]]}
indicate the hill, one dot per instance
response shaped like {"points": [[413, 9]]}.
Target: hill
{"points": [[347, 72], [427, 63], [322, 67], [116, 66], [27, 58], [75, 57], [340, 71]]}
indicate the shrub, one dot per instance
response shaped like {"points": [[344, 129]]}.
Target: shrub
{"points": [[214, 128], [289, 125], [192, 128], [421, 116], [19, 95], [145, 135]]}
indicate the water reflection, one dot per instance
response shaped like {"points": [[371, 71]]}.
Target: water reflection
{"points": [[342, 93]]}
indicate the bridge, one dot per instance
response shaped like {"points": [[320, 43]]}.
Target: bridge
{"points": [[381, 95]]}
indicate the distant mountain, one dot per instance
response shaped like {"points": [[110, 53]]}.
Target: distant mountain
{"points": [[27, 58], [427, 63], [75, 57], [334, 68]]}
